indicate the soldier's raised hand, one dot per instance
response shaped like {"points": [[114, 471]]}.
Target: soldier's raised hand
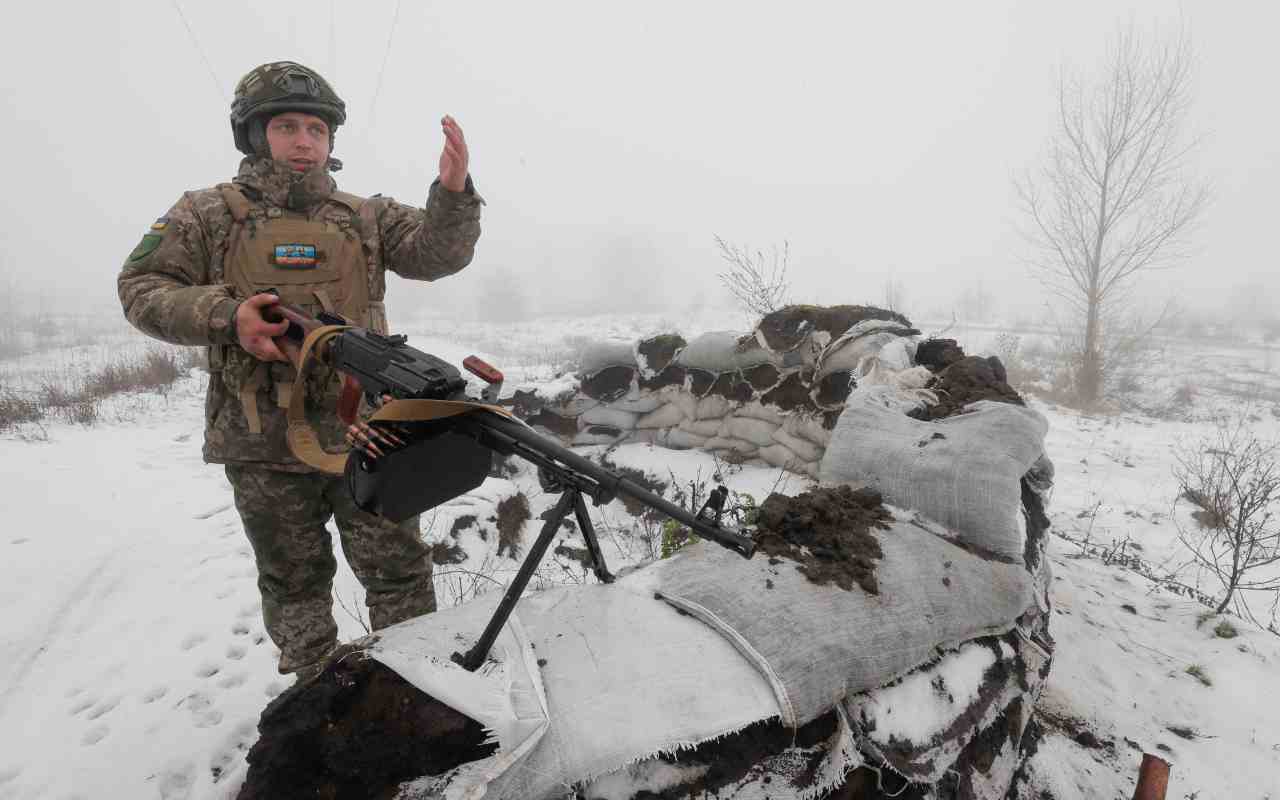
{"points": [[255, 333], [454, 158]]}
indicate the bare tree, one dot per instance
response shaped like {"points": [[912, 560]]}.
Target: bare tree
{"points": [[1114, 197], [895, 295], [758, 282], [1233, 479]]}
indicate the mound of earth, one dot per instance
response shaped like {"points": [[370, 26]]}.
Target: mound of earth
{"points": [[785, 328], [969, 380], [828, 532], [938, 354], [356, 731]]}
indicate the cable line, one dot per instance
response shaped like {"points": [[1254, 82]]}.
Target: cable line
{"points": [[195, 40], [377, 89]]}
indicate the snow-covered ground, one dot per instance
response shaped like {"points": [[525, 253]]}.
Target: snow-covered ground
{"points": [[137, 663]]}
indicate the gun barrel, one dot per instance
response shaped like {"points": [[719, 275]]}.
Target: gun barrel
{"points": [[611, 482]]}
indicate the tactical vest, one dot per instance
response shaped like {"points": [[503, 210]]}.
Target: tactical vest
{"points": [[313, 263]]}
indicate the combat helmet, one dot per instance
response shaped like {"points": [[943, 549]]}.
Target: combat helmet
{"points": [[273, 89]]}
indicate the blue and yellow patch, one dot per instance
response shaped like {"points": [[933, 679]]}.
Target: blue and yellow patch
{"points": [[160, 224], [295, 256]]}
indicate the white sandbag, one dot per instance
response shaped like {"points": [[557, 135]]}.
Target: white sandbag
{"points": [[732, 445], [638, 401], [584, 438], [663, 417], [847, 352], [963, 471], [806, 450], [607, 415], [573, 662], [573, 406], [722, 351], [713, 406], [682, 399], [702, 427], [609, 353], [756, 431], [778, 455], [815, 643], [900, 354], [811, 468], [807, 427], [678, 439], [757, 410]]}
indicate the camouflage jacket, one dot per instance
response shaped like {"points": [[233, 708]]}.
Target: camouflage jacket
{"points": [[172, 287]]}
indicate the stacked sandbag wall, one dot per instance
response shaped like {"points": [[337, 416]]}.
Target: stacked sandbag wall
{"points": [[769, 397]]}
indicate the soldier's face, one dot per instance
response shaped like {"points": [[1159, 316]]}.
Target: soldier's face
{"points": [[299, 140]]}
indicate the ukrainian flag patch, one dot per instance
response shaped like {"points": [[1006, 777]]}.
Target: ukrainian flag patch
{"points": [[160, 224], [295, 256]]}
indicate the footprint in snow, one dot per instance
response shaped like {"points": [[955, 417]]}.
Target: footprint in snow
{"points": [[233, 681], [203, 714], [23, 540], [208, 669], [212, 512], [236, 652], [8, 774], [232, 750], [240, 629], [94, 735], [154, 693], [225, 592], [193, 640], [84, 703], [251, 610], [274, 689], [182, 437], [176, 781], [103, 708]]}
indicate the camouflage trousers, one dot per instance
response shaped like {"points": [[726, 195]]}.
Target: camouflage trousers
{"points": [[284, 516]]}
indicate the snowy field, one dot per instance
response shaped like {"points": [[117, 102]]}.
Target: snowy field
{"points": [[138, 664]]}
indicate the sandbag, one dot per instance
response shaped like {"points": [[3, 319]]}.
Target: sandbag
{"points": [[804, 449], [757, 410], [702, 427], [664, 417], [752, 430], [963, 471], [807, 427], [731, 444], [722, 351], [680, 439], [777, 455], [713, 406], [638, 401], [814, 643], [607, 415], [610, 353]]}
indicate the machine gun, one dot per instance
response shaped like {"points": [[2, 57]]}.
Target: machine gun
{"points": [[418, 455]]}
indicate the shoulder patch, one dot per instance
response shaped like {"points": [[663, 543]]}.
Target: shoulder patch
{"points": [[160, 224], [149, 242]]}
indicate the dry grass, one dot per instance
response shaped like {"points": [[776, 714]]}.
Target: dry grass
{"points": [[77, 399]]}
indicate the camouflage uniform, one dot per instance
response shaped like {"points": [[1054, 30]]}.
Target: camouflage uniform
{"points": [[173, 287]]}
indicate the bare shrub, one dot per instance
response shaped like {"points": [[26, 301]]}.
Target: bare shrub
{"points": [[156, 371], [758, 282], [17, 410], [1233, 479]]}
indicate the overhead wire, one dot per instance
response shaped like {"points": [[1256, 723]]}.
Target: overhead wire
{"points": [[195, 40], [377, 89]]}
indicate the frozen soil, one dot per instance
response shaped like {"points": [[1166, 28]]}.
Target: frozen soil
{"points": [[968, 380], [355, 732], [827, 532], [785, 328]]}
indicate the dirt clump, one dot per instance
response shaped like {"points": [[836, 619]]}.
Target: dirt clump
{"points": [[966, 381], [791, 394], [938, 354], [356, 731], [659, 351], [762, 377], [783, 330], [447, 553], [608, 384], [828, 532], [513, 513]]}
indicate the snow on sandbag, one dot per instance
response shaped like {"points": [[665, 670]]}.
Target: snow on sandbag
{"points": [[848, 352], [638, 401], [608, 415], [963, 471], [656, 353], [702, 427], [666, 416], [806, 451], [723, 351], [610, 353], [713, 406], [755, 431], [816, 642]]}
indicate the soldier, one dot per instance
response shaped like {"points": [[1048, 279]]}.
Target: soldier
{"points": [[199, 276]]}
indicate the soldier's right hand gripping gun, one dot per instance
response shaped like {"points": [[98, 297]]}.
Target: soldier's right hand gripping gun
{"points": [[416, 455]]}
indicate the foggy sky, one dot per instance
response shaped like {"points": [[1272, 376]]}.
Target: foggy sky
{"points": [[612, 141]]}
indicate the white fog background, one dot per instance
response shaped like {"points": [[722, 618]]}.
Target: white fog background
{"points": [[613, 141]]}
